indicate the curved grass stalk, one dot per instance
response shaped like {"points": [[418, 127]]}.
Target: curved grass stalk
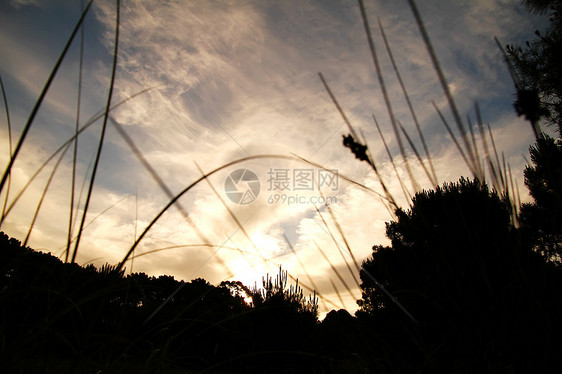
{"points": [[388, 196], [42, 97], [90, 122], [82, 188], [231, 163], [104, 126], [32, 224], [231, 213], [135, 256], [154, 174], [101, 214], [9, 124], [189, 187]]}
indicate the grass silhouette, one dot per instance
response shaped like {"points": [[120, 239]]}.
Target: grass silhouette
{"points": [[474, 142]]}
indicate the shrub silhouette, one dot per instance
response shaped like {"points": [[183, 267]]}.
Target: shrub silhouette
{"points": [[460, 267], [542, 219]]}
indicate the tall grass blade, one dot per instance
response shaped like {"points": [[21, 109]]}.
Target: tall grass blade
{"points": [[231, 213], [409, 103], [338, 107], [156, 250], [452, 134], [189, 187], [9, 124], [510, 68], [355, 137], [102, 135], [41, 97], [90, 122], [505, 176], [77, 127], [404, 189], [337, 246], [83, 188], [154, 174], [294, 252], [335, 270], [414, 148], [443, 82], [340, 231], [513, 200], [101, 214], [347, 179], [494, 174], [518, 195], [136, 225], [498, 164], [342, 304], [387, 102], [38, 208], [474, 144]]}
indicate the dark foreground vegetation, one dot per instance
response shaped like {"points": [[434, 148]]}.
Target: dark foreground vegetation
{"points": [[470, 283], [61, 316], [473, 294], [478, 294]]}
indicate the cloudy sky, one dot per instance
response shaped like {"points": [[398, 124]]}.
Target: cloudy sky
{"points": [[232, 79]]}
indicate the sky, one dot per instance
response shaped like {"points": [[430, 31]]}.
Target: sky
{"points": [[228, 80]]}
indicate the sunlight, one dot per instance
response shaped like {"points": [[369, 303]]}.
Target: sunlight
{"points": [[251, 265]]}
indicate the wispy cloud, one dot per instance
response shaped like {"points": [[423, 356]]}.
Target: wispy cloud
{"points": [[239, 78]]}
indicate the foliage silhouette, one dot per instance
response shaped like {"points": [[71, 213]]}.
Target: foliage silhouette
{"points": [[461, 268], [485, 298], [542, 219], [61, 316], [537, 68]]}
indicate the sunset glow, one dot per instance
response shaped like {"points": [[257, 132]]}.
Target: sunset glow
{"points": [[229, 80]]}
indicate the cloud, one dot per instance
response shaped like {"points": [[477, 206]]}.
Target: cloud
{"points": [[239, 78]]}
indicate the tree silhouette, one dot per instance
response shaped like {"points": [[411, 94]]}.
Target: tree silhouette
{"points": [[538, 68], [459, 266], [542, 219], [55, 314]]}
